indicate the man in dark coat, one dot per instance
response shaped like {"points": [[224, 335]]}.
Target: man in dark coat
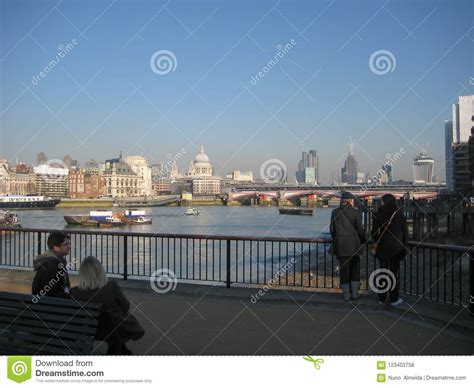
{"points": [[51, 278], [392, 244], [347, 239]]}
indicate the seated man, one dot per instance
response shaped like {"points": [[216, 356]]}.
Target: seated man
{"points": [[51, 278]]}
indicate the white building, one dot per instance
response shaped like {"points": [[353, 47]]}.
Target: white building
{"points": [[142, 168], [200, 172], [4, 177], [423, 167], [457, 131], [51, 181], [240, 176], [448, 153], [462, 114], [207, 186], [201, 165], [121, 180]]}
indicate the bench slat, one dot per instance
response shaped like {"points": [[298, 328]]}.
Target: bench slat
{"points": [[21, 347], [44, 330], [70, 327], [49, 326], [25, 312], [77, 310], [45, 300], [51, 340]]}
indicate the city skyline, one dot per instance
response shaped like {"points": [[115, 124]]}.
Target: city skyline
{"points": [[182, 162], [251, 81]]}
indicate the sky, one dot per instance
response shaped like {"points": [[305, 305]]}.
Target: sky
{"points": [[252, 81]]}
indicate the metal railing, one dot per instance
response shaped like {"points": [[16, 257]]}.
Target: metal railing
{"points": [[437, 272]]}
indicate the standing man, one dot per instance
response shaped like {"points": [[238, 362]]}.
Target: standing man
{"points": [[390, 231], [347, 239], [51, 277]]}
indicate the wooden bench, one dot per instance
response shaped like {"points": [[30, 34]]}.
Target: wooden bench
{"points": [[56, 326]]}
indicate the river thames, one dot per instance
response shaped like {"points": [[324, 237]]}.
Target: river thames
{"points": [[255, 221]]}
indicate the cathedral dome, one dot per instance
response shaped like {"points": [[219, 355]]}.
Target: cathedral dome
{"points": [[201, 157], [201, 165]]}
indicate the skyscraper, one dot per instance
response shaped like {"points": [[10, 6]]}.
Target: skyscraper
{"points": [[351, 167], [67, 161], [423, 167], [457, 131], [448, 153], [462, 113], [308, 168], [41, 158]]}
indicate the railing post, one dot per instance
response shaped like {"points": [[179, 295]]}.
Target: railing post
{"points": [[227, 282], [471, 282], [38, 248], [125, 258]]}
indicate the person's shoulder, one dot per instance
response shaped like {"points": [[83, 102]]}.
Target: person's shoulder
{"points": [[112, 285], [352, 210]]}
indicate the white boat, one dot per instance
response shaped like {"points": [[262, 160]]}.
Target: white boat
{"points": [[9, 219], [191, 211], [111, 221], [142, 221], [27, 202]]}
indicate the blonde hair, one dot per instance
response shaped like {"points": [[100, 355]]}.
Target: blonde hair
{"points": [[91, 274]]}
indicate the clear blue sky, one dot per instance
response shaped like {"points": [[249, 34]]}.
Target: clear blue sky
{"points": [[110, 100]]}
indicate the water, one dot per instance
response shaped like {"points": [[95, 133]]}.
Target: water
{"points": [[252, 221], [194, 259]]}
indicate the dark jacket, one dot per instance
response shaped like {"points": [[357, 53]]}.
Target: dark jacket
{"points": [[394, 241], [115, 306], [51, 278], [346, 231]]}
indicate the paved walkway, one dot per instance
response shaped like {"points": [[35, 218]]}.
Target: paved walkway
{"points": [[209, 320]]}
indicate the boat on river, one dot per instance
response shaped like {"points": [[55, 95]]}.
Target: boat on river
{"points": [[191, 211], [9, 220], [296, 211], [27, 202], [106, 218]]}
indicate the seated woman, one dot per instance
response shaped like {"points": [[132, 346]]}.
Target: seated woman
{"points": [[116, 326]]}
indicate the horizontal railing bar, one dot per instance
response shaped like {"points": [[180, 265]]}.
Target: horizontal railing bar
{"points": [[455, 248]]}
